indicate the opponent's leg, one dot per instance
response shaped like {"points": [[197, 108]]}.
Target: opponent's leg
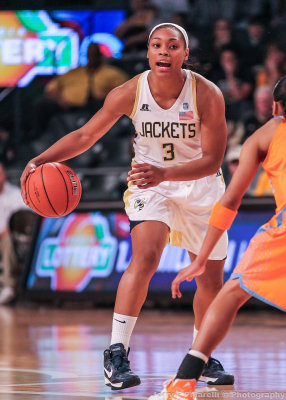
{"points": [[215, 325], [148, 242], [219, 316], [208, 286]]}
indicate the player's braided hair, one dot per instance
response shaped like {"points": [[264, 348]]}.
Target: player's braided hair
{"points": [[279, 93]]}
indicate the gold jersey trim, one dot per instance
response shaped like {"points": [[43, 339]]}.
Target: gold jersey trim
{"points": [[137, 96], [194, 92]]}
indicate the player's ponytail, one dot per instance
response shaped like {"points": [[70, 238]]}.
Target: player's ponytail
{"points": [[279, 93]]}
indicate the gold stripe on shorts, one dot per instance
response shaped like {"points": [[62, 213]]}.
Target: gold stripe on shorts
{"points": [[176, 238], [126, 196], [128, 192]]}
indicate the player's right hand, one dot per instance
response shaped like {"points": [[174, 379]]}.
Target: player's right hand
{"points": [[30, 168], [145, 175], [186, 274]]}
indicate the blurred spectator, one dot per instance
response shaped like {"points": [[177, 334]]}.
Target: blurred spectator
{"points": [[253, 43], [205, 12], [274, 65], [268, 9], [211, 47], [277, 23], [235, 82], [134, 31], [7, 146], [222, 34], [10, 202], [260, 185], [168, 8], [83, 88], [231, 161], [181, 19], [254, 119]]}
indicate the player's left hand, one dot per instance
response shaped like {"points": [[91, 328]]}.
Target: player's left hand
{"points": [[186, 274], [29, 169], [145, 175]]}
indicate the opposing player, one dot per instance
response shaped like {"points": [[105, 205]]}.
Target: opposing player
{"points": [[261, 271], [174, 182]]}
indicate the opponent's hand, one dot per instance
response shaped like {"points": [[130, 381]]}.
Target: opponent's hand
{"points": [[29, 169], [145, 175], [186, 274]]}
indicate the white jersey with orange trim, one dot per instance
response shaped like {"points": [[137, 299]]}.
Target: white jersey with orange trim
{"points": [[166, 137]]}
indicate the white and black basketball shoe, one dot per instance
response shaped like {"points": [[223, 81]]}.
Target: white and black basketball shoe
{"points": [[214, 374], [117, 372]]}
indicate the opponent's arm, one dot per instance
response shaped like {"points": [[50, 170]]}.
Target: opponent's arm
{"points": [[252, 153]]}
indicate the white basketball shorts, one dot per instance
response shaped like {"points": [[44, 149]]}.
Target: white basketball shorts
{"points": [[185, 206]]}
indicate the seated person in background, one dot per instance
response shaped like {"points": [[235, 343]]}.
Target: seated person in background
{"points": [[222, 35], [230, 162], [84, 87], [253, 119], [134, 31], [86, 84], [260, 186], [10, 202], [235, 82], [274, 65], [8, 151], [167, 8], [181, 19], [204, 12], [267, 9], [252, 43]]}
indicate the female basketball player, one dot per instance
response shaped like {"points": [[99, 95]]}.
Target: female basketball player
{"points": [[174, 182], [261, 271]]}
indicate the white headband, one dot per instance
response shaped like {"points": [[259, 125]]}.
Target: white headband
{"points": [[182, 30]]}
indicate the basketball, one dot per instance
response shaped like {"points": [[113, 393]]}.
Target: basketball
{"points": [[53, 190]]}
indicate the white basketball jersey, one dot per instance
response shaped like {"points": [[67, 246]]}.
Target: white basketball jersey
{"points": [[166, 137]]}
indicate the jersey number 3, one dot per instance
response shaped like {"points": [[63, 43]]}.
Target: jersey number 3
{"points": [[169, 150]]}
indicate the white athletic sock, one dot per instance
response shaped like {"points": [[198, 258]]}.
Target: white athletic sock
{"points": [[195, 334], [122, 328], [198, 354]]}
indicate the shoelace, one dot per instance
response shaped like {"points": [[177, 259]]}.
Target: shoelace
{"points": [[214, 364], [120, 361]]}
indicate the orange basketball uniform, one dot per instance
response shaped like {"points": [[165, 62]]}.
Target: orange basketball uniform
{"points": [[262, 269]]}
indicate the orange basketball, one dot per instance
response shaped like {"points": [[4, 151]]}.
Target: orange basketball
{"points": [[53, 190]]}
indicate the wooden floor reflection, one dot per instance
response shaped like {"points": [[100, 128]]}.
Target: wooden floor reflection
{"points": [[57, 354]]}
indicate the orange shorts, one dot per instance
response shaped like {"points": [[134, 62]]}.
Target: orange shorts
{"points": [[262, 269]]}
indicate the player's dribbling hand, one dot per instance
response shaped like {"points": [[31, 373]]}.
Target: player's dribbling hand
{"points": [[30, 167], [186, 274], [145, 175]]}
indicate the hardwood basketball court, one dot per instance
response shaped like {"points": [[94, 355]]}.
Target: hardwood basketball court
{"points": [[57, 354]]}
